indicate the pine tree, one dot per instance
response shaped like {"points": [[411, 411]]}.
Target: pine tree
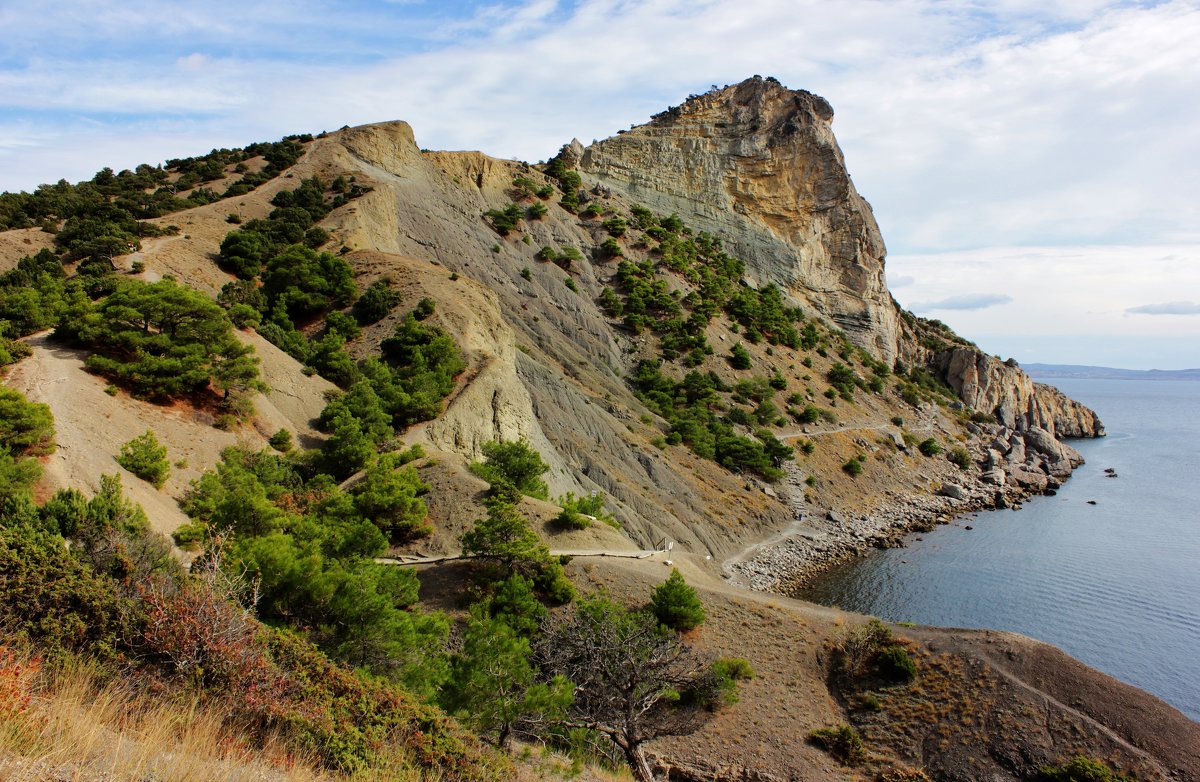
{"points": [[491, 683], [676, 604]]}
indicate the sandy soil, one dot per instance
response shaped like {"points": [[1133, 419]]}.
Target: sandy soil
{"points": [[91, 425]]}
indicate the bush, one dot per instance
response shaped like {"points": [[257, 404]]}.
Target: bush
{"points": [[244, 316], [146, 458], [1081, 769], [505, 220], [676, 605], [515, 463], [55, 599], [895, 664], [960, 456], [26, 428], [842, 742], [854, 467], [376, 302], [739, 357], [579, 512], [281, 441], [929, 447]]}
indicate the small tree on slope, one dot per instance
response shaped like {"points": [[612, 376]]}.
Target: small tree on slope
{"points": [[676, 605]]}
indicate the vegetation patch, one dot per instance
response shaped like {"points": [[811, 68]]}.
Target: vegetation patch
{"points": [[842, 742], [146, 458]]}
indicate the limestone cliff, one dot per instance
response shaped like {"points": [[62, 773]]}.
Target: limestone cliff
{"points": [[758, 165], [991, 386]]}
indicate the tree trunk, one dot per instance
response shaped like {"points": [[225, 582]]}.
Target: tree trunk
{"points": [[505, 735], [638, 763]]}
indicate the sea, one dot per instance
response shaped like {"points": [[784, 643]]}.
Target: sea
{"points": [[1108, 570]]}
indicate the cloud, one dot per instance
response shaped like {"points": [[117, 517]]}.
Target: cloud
{"points": [[1166, 308], [900, 281], [1071, 304], [965, 301]]}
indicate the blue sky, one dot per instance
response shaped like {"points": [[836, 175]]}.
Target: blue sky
{"points": [[1034, 166]]}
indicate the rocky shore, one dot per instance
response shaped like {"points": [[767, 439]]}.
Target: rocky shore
{"points": [[1010, 466]]}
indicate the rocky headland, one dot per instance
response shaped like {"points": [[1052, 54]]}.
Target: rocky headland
{"points": [[885, 422]]}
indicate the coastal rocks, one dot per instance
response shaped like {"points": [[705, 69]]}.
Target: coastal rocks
{"points": [[987, 385], [953, 491], [1034, 480], [994, 477], [758, 165]]}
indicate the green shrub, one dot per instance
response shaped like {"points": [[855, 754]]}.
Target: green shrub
{"points": [[854, 466], [375, 302], [676, 604], [842, 742], [739, 357], [26, 428], [146, 458], [1081, 769], [929, 447], [895, 664], [243, 316], [615, 226], [281, 441], [579, 512], [505, 220], [516, 463], [960, 456]]}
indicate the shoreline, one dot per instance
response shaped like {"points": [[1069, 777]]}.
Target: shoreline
{"points": [[818, 541]]}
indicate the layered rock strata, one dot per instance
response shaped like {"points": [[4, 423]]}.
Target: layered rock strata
{"points": [[758, 165]]}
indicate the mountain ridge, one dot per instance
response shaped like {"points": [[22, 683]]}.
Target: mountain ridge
{"points": [[547, 362]]}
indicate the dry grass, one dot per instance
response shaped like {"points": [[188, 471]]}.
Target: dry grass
{"points": [[71, 727]]}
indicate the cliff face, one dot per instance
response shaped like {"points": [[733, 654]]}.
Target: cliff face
{"points": [[758, 165], [989, 385]]}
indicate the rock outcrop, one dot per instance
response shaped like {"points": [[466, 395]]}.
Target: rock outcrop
{"points": [[991, 386], [757, 164]]}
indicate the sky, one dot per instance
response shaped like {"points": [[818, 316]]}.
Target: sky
{"points": [[1034, 165]]}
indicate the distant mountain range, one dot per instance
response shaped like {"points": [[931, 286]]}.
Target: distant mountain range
{"points": [[1110, 373]]}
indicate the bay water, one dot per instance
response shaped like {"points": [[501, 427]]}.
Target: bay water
{"points": [[1115, 584]]}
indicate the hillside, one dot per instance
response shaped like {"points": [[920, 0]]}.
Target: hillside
{"points": [[688, 320]]}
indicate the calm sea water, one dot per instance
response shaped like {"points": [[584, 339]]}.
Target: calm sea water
{"points": [[1115, 584]]}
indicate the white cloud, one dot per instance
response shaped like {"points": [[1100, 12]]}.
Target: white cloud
{"points": [[1166, 308], [967, 125], [1067, 296], [963, 302]]}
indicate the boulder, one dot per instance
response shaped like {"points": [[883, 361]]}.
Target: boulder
{"points": [[995, 477], [1028, 479], [953, 491]]}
